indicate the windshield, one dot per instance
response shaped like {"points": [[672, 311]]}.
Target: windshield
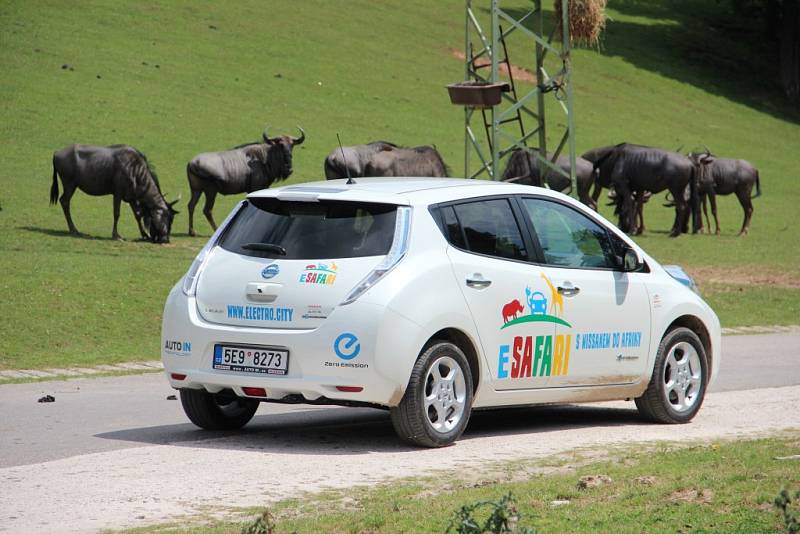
{"points": [[271, 228]]}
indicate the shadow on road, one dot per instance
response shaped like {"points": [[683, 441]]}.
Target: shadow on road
{"points": [[337, 431]]}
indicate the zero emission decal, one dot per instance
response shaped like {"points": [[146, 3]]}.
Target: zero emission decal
{"points": [[347, 347], [319, 273]]}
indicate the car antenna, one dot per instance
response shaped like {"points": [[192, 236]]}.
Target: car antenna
{"points": [[350, 180]]}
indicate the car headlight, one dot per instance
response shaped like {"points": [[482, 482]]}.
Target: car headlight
{"points": [[677, 272]]}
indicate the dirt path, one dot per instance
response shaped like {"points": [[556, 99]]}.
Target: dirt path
{"points": [[157, 483]]}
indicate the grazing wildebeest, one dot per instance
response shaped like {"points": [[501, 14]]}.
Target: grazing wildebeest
{"points": [[399, 161], [351, 161], [242, 169], [525, 168], [602, 176], [118, 170], [723, 176], [636, 169]]}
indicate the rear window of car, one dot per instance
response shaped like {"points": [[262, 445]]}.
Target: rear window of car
{"points": [[485, 226], [490, 228], [267, 227]]}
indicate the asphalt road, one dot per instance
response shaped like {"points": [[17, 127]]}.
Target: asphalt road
{"points": [[103, 414]]}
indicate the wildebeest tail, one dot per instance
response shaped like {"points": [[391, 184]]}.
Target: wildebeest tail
{"points": [[54, 187], [758, 186], [694, 199]]}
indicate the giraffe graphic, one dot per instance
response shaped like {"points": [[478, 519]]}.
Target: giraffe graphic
{"points": [[556, 299]]}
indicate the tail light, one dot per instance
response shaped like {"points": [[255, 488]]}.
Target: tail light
{"points": [[402, 231], [190, 279], [254, 392]]}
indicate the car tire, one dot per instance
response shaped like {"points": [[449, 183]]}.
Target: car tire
{"points": [[680, 376], [217, 411], [438, 400]]}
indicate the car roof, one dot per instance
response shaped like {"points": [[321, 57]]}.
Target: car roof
{"points": [[397, 190]]}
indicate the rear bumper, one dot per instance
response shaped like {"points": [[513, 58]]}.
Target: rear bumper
{"points": [[389, 345]]}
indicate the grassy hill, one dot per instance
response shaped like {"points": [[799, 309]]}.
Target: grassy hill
{"points": [[177, 79]]}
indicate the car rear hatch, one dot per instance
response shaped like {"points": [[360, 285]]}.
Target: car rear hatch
{"points": [[288, 263]]}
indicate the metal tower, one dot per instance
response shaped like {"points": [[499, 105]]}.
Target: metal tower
{"points": [[488, 50]]}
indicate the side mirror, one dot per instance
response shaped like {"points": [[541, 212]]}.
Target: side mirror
{"points": [[631, 261]]}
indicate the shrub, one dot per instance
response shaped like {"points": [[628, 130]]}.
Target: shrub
{"points": [[784, 502], [503, 518]]}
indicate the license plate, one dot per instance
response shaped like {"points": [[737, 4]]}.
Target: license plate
{"points": [[248, 359]]}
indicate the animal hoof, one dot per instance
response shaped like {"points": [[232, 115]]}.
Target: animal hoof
{"points": [[192, 233], [117, 237]]}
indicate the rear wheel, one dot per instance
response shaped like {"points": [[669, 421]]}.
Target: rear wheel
{"points": [[678, 385], [217, 411], [436, 406]]}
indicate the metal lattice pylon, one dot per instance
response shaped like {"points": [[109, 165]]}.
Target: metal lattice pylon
{"points": [[480, 47]]}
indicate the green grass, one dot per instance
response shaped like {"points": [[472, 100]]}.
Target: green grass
{"points": [[723, 487], [176, 79]]}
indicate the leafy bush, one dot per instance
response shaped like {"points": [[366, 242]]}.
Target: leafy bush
{"points": [[784, 501], [263, 525], [503, 518]]}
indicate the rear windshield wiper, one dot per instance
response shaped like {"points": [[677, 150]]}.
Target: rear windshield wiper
{"points": [[265, 247]]}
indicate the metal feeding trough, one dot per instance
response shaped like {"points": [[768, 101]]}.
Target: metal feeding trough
{"points": [[477, 94]]}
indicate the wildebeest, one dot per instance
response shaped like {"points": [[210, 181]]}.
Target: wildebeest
{"points": [[633, 169], [602, 173], [381, 158], [118, 170], [351, 161], [242, 169], [413, 161], [723, 176], [525, 168]]}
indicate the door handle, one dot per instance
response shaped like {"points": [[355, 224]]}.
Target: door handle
{"points": [[568, 290], [262, 292], [478, 282]]}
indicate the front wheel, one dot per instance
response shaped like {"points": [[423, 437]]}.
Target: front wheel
{"points": [[217, 411], [436, 406], [680, 375]]}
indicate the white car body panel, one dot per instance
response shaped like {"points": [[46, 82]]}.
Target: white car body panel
{"points": [[425, 293]]}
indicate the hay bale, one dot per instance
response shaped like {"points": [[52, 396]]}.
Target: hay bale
{"points": [[587, 18]]}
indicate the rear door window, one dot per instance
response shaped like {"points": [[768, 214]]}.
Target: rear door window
{"points": [[311, 230], [488, 227]]}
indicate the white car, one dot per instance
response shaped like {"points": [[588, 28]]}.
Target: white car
{"points": [[431, 297]]}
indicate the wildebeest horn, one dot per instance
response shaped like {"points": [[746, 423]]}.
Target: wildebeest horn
{"points": [[170, 204], [707, 150], [299, 140], [264, 135]]}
